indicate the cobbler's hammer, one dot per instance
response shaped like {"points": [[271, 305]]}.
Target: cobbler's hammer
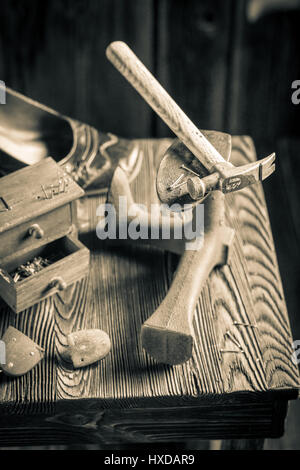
{"points": [[222, 175]]}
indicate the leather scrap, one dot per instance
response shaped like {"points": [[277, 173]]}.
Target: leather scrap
{"points": [[87, 346], [21, 353]]}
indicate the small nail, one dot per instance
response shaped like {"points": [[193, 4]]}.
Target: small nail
{"points": [[176, 181], [235, 341], [44, 191], [251, 325], [178, 185], [231, 351], [189, 169]]}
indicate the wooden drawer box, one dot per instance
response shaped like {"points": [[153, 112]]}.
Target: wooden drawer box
{"points": [[38, 224], [29, 235], [72, 264]]}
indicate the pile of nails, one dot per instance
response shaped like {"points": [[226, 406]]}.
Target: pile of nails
{"points": [[30, 268]]}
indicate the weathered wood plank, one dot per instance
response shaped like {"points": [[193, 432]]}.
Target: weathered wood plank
{"points": [[264, 278]]}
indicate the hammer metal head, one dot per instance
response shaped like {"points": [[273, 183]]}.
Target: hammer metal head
{"points": [[228, 178], [179, 162], [236, 178]]}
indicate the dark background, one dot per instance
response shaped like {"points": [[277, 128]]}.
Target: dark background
{"points": [[227, 72], [229, 64]]}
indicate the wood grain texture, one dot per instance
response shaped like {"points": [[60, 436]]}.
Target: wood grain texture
{"points": [[269, 306], [130, 398]]}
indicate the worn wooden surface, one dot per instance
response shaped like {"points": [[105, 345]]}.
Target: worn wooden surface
{"points": [[128, 397]]}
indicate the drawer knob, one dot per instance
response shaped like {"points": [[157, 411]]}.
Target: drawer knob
{"points": [[58, 283], [36, 231]]}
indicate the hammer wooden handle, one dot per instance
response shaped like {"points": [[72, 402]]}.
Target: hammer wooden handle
{"points": [[127, 63], [168, 334]]}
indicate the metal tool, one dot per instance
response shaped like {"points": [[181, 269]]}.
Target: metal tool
{"points": [[223, 175], [228, 178]]}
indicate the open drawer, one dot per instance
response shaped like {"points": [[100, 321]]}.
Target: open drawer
{"points": [[68, 262]]}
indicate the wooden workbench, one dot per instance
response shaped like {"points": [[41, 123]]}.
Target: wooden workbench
{"points": [[128, 398]]}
